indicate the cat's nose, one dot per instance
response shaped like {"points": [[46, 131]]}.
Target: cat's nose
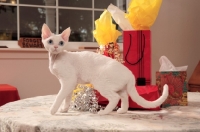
{"points": [[55, 47]]}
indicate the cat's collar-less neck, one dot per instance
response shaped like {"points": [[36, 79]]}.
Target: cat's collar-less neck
{"points": [[52, 58]]}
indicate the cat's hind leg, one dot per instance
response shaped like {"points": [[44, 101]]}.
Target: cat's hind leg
{"points": [[124, 102], [113, 99]]}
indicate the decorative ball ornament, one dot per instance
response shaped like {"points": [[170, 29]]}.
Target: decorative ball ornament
{"points": [[84, 99]]}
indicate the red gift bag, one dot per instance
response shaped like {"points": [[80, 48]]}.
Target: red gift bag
{"points": [[148, 92], [137, 54]]}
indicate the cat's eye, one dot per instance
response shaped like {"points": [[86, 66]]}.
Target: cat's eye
{"points": [[50, 41], [61, 43]]}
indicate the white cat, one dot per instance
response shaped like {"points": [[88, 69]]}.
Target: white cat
{"points": [[112, 79]]}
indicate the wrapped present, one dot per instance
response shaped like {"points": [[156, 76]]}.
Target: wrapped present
{"points": [[148, 92], [175, 78], [176, 81], [106, 36], [111, 50]]}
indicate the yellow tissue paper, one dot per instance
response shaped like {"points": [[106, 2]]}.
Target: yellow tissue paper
{"points": [[105, 30], [142, 13]]}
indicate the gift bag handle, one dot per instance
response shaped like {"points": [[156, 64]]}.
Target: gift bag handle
{"points": [[142, 52]]}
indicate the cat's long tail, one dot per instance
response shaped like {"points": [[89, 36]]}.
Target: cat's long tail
{"points": [[145, 103]]}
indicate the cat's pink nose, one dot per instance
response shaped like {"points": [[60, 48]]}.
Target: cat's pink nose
{"points": [[55, 47]]}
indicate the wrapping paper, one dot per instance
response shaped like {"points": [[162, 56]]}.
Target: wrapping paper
{"points": [[149, 92], [143, 13], [176, 81], [111, 50], [166, 65], [119, 17], [105, 31]]}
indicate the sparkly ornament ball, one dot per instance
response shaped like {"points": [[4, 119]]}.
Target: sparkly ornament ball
{"points": [[85, 99]]}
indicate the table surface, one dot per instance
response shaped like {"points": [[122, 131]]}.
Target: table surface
{"points": [[32, 115]]}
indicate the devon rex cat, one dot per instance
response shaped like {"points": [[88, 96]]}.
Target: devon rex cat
{"points": [[112, 79]]}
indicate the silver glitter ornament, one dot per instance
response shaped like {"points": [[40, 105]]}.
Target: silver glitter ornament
{"points": [[85, 100]]}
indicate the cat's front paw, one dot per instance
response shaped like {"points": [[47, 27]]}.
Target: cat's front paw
{"points": [[121, 111], [53, 111], [64, 110]]}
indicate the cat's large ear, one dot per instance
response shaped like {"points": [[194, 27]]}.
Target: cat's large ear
{"points": [[65, 34], [46, 32]]}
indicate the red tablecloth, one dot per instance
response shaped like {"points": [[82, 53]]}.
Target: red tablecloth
{"points": [[8, 93]]}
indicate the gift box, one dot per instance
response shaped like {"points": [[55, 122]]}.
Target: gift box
{"points": [[106, 35], [137, 54], [148, 92], [176, 81], [111, 50]]}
